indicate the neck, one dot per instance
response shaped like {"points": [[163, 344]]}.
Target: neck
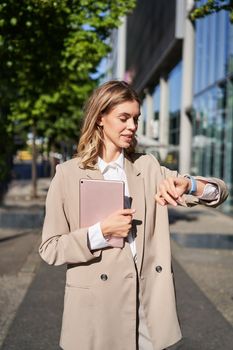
{"points": [[110, 154]]}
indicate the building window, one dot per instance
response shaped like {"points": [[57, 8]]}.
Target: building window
{"points": [[174, 81], [213, 101], [156, 106]]}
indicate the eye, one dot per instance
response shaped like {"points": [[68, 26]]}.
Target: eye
{"points": [[123, 119]]}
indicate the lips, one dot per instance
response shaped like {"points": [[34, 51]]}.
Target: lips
{"points": [[127, 139], [128, 136]]}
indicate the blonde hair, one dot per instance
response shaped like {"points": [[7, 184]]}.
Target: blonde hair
{"points": [[103, 100]]}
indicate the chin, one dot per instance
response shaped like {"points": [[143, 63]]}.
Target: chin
{"points": [[126, 145]]}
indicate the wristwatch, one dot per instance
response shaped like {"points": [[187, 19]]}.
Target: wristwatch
{"points": [[193, 187]]}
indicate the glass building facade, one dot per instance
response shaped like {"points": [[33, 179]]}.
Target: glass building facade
{"points": [[156, 107], [154, 63], [174, 82], [212, 146]]}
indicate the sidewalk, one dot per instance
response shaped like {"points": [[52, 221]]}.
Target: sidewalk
{"points": [[203, 245], [19, 193], [21, 219], [19, 213], [202, 268]]}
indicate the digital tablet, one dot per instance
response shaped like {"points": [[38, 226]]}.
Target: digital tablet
{"points": [[97, 200]]}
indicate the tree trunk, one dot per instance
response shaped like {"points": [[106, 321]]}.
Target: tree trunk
{"points": [[53, 160], [34, 161]]}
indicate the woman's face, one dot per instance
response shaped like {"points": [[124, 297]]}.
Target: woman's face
{"points": [[120, 125]]}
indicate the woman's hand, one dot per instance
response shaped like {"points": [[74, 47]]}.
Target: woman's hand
{"points": [[171, 189], [118, 224]]}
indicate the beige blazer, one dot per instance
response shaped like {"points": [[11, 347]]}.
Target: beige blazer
{"points": [[101, 286]]}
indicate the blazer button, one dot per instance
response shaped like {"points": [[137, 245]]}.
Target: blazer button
{"points": [[158, 269], [104, 277]]}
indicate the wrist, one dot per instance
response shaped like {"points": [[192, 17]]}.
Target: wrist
{"points": [[104, 229], [192, 187]]}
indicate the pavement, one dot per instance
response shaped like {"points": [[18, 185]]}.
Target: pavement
{"points": [[21, 219], [31, 292], [203, 245], [19, 212]]}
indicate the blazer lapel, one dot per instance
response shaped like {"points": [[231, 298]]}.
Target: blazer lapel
{"points": [[137, 193], [94, 174], [90, 173]]}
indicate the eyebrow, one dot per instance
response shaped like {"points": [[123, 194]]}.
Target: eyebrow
{"points": [[129, 115]]}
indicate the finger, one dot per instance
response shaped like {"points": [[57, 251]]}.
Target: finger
{"points": [[120, 234], [168, 186], [168, 198], [160, 200], [125, 233], [172, 191], [180, 200], [128, 211], [128, 219], [165, 192]]}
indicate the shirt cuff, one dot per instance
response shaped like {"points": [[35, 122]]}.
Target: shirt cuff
{"points": [[96, 238], [210, 192]]}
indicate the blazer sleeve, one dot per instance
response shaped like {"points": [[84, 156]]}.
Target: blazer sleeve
{"points": [[59, 245], [190, 200]]}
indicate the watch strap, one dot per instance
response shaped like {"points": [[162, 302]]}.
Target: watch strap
{"points": [[193, 187]]}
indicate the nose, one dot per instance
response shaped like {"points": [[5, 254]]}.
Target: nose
{"points": [[131, 124]]}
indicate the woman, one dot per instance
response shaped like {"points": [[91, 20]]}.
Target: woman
{"points": [[118, 298]]}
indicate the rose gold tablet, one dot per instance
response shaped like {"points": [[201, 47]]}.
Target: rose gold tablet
{"points": [[97, 200]]}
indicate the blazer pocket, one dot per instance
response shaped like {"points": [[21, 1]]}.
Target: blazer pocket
{"points": [[77, 314], [77, 300], [68, 285]]}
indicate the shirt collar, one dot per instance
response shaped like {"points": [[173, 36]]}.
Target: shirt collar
{"points": [[119, 162]]}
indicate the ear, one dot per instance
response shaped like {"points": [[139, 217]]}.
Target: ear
{"points": [[99, 121]]}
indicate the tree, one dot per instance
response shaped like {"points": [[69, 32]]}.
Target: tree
{"points": [[49, 51], [212, 6], [6, 147]]}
